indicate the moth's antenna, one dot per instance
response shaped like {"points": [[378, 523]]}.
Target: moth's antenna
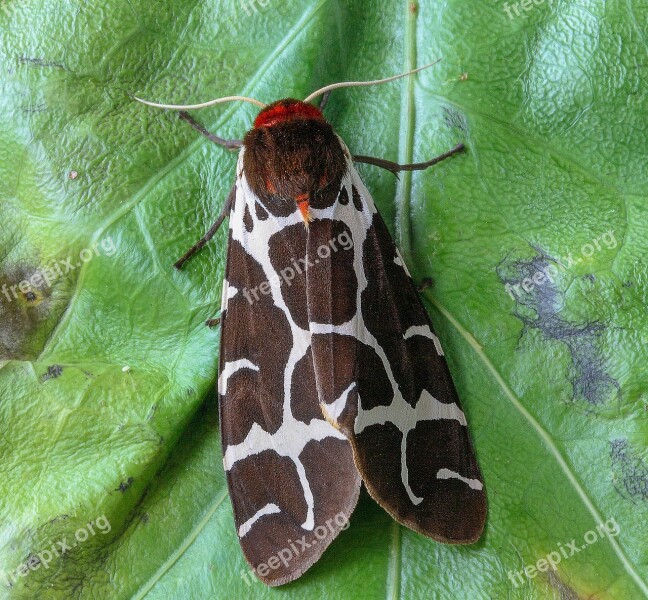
{"points": [[345, 84], [203, 104]]}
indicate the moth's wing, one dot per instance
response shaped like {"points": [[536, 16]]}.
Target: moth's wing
{"points": [[382, 377], [291, 476]]}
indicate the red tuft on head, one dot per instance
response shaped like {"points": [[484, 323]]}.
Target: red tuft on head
{"points": [[287, 110]]}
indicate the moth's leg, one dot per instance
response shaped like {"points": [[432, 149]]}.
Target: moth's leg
{"points": [[324, 100], [395, 168], [212, 322], [229, 144], [210, 234]]}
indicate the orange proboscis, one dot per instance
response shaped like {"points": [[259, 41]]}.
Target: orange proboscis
{"points": [[303, 202]]}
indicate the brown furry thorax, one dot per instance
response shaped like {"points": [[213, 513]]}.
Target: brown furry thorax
{"points": [[292, 155]]}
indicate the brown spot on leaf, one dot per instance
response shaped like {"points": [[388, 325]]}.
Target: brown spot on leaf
{"points": [[124, 486], [40, 62], [23, 307], [53, 372], [629, 470], [565, 592]]}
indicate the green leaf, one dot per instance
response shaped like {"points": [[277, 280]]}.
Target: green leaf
{"points": [[105, 430]]}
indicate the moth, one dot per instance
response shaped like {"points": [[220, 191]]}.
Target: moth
{"points": [[330, 372]]}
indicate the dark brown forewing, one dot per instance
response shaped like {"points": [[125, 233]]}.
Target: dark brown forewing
{"points": [[291, 476], [382, 377]]}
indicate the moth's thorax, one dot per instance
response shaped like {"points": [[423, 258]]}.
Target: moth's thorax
{"points": [[293, 156], [285, 110]]}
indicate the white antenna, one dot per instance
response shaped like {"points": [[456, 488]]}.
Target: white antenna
{"points": [[203, 104], [337, 86]]}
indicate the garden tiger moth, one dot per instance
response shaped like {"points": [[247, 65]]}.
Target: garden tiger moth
{"points": [[330, 372]]}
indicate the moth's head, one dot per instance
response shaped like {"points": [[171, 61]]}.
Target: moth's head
{"points": [[287, 110]]}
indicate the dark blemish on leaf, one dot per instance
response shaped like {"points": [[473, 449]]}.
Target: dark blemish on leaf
{"points": [[590, 277], [629, 471], [52, 372], [565, 592], [33, 561], [145, 518], [413, 8], [40, 62], [125, 485], [151, 412], [21, 312], [454, 119], [627, 284], [39, 108], [540, 308], [59, 518]]}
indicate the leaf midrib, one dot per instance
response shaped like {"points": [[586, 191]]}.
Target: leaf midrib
{"points": [[407, 126]]}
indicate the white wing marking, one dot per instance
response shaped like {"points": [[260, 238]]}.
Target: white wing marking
{"points": [[401, 263], [425, 331], [268, 509], [289, 441], [475, 484], [231, 368], [336, 408]]}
